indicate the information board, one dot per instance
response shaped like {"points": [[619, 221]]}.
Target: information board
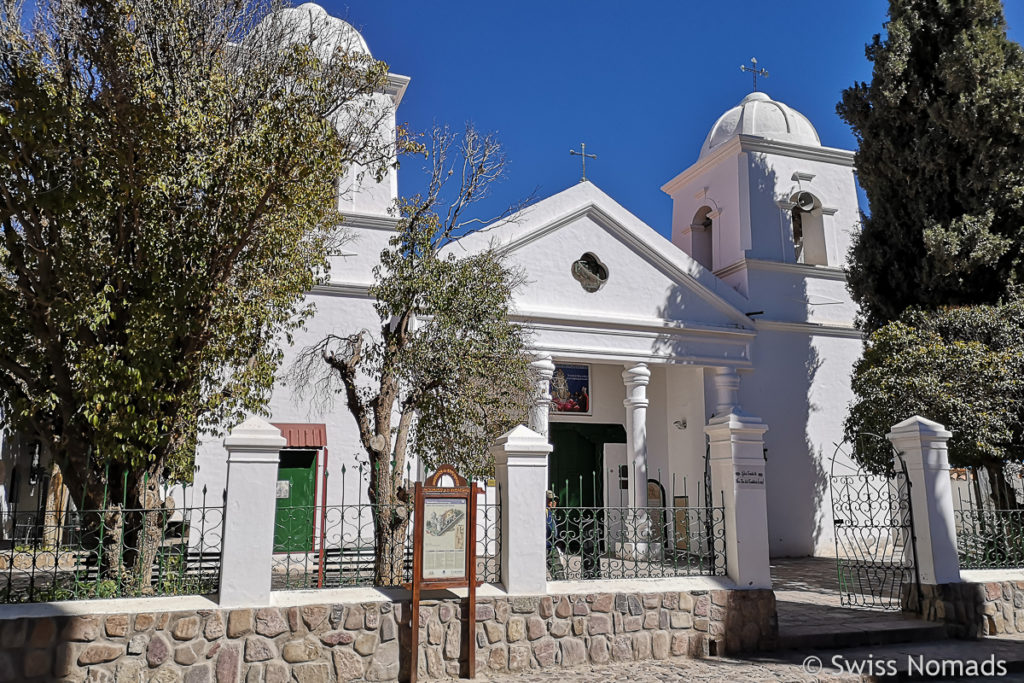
{"points": [[444, 538], [444, 549]]}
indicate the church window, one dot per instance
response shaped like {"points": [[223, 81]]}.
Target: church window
{"points": [[808, 230], [701, 245], [589, 272]]}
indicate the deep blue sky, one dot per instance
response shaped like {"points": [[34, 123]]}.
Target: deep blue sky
{"points": [[640, 83]]}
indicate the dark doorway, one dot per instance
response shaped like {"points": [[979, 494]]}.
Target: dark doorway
{"points": [[575, 466]]}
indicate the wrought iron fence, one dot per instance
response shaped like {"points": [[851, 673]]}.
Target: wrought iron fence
{"points": [[874, 527], [990, 539], [629, 542], [117, 552], [989, 523], [336, 545]]}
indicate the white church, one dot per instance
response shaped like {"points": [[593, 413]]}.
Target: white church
{"points": [[643, 338]]}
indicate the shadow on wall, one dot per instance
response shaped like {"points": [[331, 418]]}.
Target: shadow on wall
{"points": [[778, 389]]}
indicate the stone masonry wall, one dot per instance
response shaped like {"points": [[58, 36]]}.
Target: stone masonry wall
{"points": [[370, 641], [971, 610]]}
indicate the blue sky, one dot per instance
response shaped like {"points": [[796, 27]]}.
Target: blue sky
{"points": [[640, 83]]}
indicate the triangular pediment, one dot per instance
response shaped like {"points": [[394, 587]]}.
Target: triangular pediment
{"points": [[649, 280]]}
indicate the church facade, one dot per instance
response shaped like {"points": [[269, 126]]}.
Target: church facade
{"points": [[640, 339]]}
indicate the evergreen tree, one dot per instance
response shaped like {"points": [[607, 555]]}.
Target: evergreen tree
{"points": [[941, 137]]}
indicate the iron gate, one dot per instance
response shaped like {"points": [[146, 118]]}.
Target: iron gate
{"points": [[876, 556]]}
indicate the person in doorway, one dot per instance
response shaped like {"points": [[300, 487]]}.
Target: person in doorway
{"points": [[556, 566]]}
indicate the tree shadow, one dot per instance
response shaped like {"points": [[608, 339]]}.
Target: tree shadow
{"points": [[783, 386]]}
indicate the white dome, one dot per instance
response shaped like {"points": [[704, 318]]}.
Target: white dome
{"points": [[298, 24], [762, 116]]}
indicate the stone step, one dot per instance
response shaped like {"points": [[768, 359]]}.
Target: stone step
{"points": [[881, 632]]}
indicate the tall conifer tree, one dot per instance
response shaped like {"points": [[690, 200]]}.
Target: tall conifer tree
{"points": [[941, 137]]}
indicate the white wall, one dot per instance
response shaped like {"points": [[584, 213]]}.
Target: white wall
{"points": [[801, 389], [339, 314]]}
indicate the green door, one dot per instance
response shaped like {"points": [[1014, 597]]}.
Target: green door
{"points": [[575, 466], [296, 484]]}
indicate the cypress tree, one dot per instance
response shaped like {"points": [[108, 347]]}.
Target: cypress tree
{"points": [[940, 129]]}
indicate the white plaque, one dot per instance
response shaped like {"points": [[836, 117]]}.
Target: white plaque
{"points": [[444, 538], [284, 488]]}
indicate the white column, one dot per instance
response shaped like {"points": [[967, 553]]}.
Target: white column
{"points": [[543, 370], [636, 378], [521, 468], [737, 476], [923, 446], [249, 509]]}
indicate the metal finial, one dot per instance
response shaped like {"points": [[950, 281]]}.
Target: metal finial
{"points": [[754, 70]]}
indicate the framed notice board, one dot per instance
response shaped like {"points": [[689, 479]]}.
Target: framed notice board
{"points": [[444, 548]]}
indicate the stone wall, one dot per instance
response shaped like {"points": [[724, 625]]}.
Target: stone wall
{"points": [[370, 640], [971, 610]]}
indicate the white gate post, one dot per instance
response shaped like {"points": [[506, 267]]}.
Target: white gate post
{"points": [[249, 509], [521, 468], [736, 442], [737, 474], [923, 446]]}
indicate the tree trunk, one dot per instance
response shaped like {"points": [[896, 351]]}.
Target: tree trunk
{"points": [[128, 528], [1003, 495], [391, 524]]}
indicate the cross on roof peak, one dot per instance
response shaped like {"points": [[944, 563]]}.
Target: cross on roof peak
{"points": [[585, 156]]}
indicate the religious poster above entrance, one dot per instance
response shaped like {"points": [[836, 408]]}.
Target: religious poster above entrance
{"points": [[570, 389]]}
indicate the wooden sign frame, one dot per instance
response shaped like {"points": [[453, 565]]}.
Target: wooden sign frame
{"points": [[431, 490]]}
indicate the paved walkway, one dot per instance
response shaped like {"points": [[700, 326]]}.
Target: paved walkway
{"points": [[675, 669], [795, 665], [807, 597]]}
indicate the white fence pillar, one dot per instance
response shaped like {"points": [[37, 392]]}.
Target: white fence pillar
{"points": [[737, 474], [923, 446], [521, 468], [249, 510]]}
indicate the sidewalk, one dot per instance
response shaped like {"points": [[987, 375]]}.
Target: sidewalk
{"points": [[676, 669], [789, 666]]}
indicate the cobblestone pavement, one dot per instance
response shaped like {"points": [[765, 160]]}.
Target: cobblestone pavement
{"points": [[676, 669], [788, 666]]}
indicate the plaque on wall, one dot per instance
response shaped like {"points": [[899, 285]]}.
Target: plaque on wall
{"points": [[570, 389]]}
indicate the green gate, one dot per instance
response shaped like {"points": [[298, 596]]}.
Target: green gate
{"points": [[296, 492]]}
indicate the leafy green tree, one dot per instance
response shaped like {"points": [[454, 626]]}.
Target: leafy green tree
{"points": [[446, 372], [940, 129], [961, 366], [169, 177]]}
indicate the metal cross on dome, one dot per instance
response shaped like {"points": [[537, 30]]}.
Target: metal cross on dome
{"points": [[585, 156], [754, 70]]}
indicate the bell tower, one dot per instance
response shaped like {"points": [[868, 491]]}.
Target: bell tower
{"points": [[766, 203], [364, 202]]}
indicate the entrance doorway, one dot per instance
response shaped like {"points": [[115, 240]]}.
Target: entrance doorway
{"points": [[575, 469], [296, 496]]}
